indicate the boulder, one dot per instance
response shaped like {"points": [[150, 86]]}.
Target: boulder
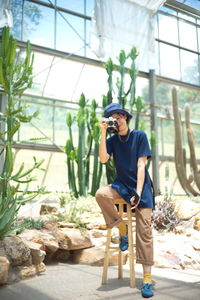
{"points": [[197, 223], [43, 237], [95, 256], [62, 255], [76, 239], [4, 267], [17, 251], [186, 209], [37, 254], [48, 209]]}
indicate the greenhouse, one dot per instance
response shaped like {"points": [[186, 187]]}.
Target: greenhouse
{"points": [[66, 68]]}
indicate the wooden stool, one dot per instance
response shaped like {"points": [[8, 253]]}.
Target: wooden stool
{"points": [[129, 218]]}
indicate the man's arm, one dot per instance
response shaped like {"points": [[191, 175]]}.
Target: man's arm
{"points": [[103, 155], [140, 178]]}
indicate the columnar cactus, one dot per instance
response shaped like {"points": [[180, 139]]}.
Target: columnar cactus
{"points": [[180, 157], [88, 132], [15, 78]]}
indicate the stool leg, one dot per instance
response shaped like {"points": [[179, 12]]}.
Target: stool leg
{"points": [[131, 253], [120, 269], [106, 257]]}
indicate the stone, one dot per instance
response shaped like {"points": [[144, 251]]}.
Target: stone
{"points": [[77, 239], [62, 238], [48, 209], [186, 209], [197, 223], [16, 250], [26, 271], [95, 256], [62, 255], [196, 245], [37, 254], [179, 229], [40, 268], [43, 237], [167, 260], [4, 267]]}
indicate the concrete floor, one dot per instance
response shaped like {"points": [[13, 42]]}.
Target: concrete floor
{"points": [[81, 282]]}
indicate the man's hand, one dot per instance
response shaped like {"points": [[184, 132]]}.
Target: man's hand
{"points": [[103, 126], [134, 202]]}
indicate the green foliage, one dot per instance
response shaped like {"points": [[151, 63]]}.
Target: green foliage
{"points": [[79, 156], [31, 223], [73, 212], [124, 96], [15, 78]]}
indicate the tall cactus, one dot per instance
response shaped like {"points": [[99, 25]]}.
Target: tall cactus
{"points": [[81, 120], [180, 160], [15, 78], [88, 134], [123, 95]]}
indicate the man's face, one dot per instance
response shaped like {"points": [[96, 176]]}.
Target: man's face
{"points": [[121, 120]]}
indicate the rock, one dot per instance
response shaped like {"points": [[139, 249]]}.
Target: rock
{"points": [[43, 237], [77, 239], [16, 250], [186, 209], [97, 233], [66, 224], [4, 267], [95, 256], [196, 245], [197, 223], [62, 238], [37, 254], [62, 255], [48, 209], [179, 229], [167, 260], [26, 271]]}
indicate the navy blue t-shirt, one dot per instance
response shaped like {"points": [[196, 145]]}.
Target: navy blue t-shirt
{"points": [[126, 151]]}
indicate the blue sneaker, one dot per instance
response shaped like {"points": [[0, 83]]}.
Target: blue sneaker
{"points": [[123, 245], [146, 290]]}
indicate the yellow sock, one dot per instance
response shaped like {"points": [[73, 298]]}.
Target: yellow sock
{"points": [[122, 229], [147, 278]]}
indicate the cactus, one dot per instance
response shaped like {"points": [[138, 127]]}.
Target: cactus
{"points": [[15, 78], [81, 118], [109, 66], [122, 69], [123, 96], [82, 154], [180, 156]]}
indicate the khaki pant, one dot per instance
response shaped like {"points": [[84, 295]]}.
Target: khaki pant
{"points": [[144, 240]]}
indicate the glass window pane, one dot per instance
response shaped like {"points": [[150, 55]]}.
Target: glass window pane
{"points": [[198, 33], [38, 26], [89, 53], [169, 61], [188, 37], [77, 5], [168, 30], [41, 65], [189, 67], [157, 56], [186, 17], [17, 19], [67, 38], [89, 7]]}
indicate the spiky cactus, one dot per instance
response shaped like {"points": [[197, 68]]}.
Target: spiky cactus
{"points": [[180, 156], [15, 78], [88, 134]]}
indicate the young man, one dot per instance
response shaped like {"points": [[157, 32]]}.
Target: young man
{"points": [[130, 150]]}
